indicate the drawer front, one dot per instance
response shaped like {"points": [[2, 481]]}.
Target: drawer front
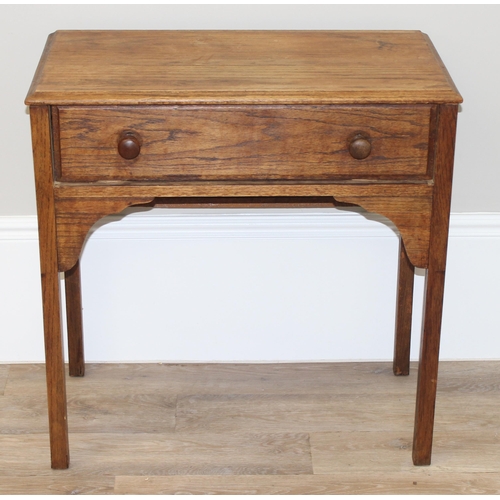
{"points": [[242, 143]]}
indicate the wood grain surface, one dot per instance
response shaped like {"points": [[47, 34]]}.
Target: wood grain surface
{"points": [[291, 413], [167, 454], [213, 379], [4, 372], [126, 436], [74, 219], [404, 309], [57, 485], [109, 414], [434, 286], [74, 321], [242, 378], [81, 205], [242, 143], [391, 483], [51, 293], [336, 452], [244, 67]]}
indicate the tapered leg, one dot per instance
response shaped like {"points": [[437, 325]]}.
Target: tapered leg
{"points": [[54, 360], [54, 365], [74, 321], [404, 304], [434, 287], [428, 368]]}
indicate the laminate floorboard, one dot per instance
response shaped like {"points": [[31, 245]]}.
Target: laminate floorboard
{"points": [[294, 413], [161, 454], [57, 485], [469, 376], [4, 371], [138, 413], [230, 378], [335, 452], [319, 484], [304, 428]]}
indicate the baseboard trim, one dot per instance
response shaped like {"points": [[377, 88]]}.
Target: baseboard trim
{"points": [[212, 223], [18, 228]]}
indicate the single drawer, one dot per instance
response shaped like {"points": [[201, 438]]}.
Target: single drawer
{"points": [[242, 143]]}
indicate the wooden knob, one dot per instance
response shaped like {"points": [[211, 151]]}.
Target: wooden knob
{"points": [[129, 146], [360, 147]]}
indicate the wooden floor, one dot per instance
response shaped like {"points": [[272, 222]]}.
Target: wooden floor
{"points": [[258, 429]]}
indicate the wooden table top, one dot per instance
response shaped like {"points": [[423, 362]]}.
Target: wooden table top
{"points": [[240, 67]]}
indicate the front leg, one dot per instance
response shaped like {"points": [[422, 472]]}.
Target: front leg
{"points": [[51, 297], [434, 287], [428, 367]]}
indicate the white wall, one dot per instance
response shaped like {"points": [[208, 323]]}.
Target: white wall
{"points": [[298, 298], [251, 286]]}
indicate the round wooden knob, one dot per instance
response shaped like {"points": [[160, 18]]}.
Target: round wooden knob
{"points": [[360, 147], [129, 146]]}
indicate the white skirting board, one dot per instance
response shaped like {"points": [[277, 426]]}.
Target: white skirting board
{"points": [[251, 286]]}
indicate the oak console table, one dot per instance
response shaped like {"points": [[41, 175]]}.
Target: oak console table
{"points": [[260, 118]]}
